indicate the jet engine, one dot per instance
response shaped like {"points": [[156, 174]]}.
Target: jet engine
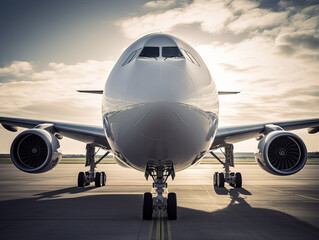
{"points": [[281, 153], [35, 151]]}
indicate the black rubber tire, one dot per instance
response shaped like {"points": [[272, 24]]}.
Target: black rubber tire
{"points": [[148, 206], [215, 178], [87, 178], [103, 178], [81, 179], [171, 206], [238, 180], [98, 179], [220, 180]]}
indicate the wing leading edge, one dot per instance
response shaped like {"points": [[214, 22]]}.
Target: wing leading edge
{"points": [[230, 135], [84, 133], [95, 135], [91, 91]]}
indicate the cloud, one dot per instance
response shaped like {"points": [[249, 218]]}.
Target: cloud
{"points": [[211, 15], [286, 49], [239, 6], [312, 57], [51, 93], [16, 69], [270, 56], [160, 4], [298, 36], [304, 45], [273, 87], [292, 25], [233, 68], [257, 19], [303, 40]]}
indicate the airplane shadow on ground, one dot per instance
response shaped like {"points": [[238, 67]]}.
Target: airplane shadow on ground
{"points": [[70, 190], [117, 216]]}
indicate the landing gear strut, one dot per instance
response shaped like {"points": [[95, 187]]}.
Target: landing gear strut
{"points": [[85, 178], [234, 179], [151, 204]]}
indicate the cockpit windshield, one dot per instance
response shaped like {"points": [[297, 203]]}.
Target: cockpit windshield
{"points": [[170, 52], [150, 52]]}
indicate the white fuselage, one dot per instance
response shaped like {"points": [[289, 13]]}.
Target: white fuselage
{"points": [[160, 109]]}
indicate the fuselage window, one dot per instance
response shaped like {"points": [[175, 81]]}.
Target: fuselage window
{"points": [[130, 57], [171, 52], [150, 52]]}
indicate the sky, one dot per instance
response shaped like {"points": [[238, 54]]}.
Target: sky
{"points": [[266, 49]]}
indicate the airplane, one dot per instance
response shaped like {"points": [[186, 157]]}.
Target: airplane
{"points": [[160, 110]]}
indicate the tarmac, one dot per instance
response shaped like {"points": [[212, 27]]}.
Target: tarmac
{"points": [[50, 206]]}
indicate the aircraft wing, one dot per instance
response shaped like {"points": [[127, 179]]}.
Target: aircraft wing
{"points": [[234, 134], [84, 133]]}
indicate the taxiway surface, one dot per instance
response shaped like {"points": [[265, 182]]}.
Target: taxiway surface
{"points": [[50, 206]]}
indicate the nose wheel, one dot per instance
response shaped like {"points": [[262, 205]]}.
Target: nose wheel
{"points": [[159, 203], [148, 206], [171, 206]]}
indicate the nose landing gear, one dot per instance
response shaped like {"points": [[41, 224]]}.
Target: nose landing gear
{"points": [[153, 205]]}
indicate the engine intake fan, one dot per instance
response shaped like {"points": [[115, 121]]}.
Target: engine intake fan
{"points": [[281, 153], [35, 151]]}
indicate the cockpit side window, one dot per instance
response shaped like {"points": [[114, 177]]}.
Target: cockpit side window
{"points": [[189, 57], [193, 58], [186, 55], [130, 57], [171, 52], [150, 52]]}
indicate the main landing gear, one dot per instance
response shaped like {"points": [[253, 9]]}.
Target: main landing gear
{"points": [[234, 179], [153, 205], [85, 178]]}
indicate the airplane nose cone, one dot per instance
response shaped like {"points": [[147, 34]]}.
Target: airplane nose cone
{"points": [[159, 121], [160, 82]]}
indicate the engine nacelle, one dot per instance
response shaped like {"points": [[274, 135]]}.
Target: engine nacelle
{"points": [[281, 153], [35, 151]]}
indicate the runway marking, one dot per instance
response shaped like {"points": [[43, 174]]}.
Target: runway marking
{"points": [[162, 228], [151, 230], [160, 233], [169, 234], [316, 199], [158, 227]]}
